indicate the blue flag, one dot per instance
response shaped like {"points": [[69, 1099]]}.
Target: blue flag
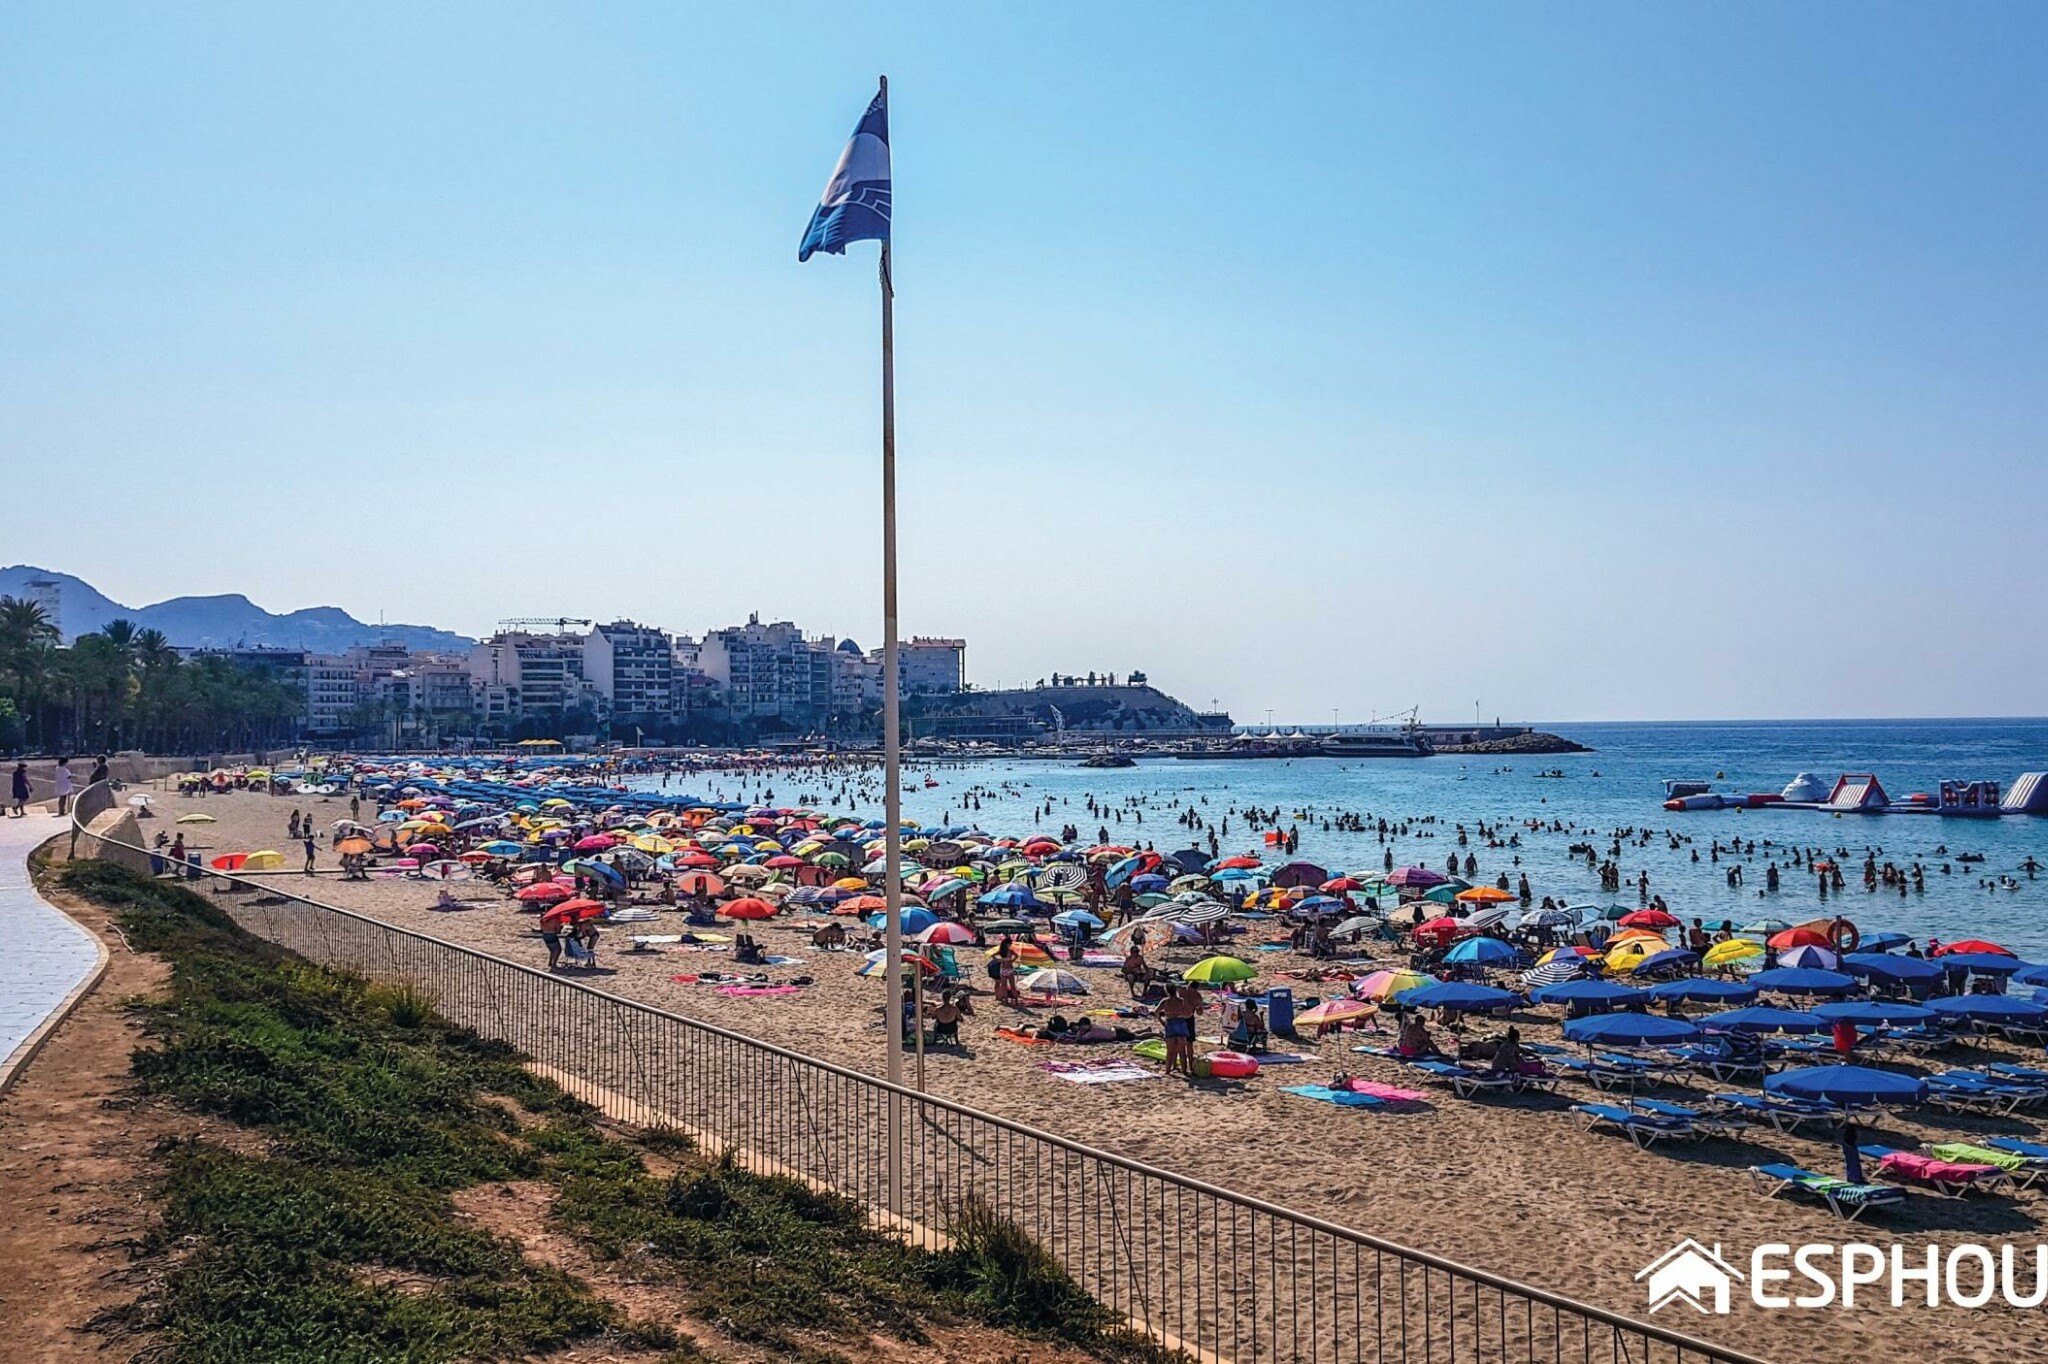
{"points": [[855, 205]]}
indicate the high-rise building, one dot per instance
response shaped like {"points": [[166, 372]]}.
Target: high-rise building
{"points": [[334, 689], [48, 593], [633, 666], [520, 673], [771, 671]]}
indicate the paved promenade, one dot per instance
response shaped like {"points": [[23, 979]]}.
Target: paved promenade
{"points": [[43, 955]]}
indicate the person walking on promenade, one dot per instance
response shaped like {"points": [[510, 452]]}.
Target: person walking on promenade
{"points": [[63, 787], [22, 789]]}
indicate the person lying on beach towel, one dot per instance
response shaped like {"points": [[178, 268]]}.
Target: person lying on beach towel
{"points": [[1080, 1030], [1374, 1089]]}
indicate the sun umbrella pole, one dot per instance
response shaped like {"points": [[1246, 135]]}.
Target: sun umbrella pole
{"points": [[892, 734]]}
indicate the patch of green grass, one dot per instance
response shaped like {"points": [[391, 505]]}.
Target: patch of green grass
{"points": [[299, 1262], [340, 1243]]}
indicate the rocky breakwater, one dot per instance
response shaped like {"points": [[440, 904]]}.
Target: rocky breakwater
{"points": [[1532, 742]]}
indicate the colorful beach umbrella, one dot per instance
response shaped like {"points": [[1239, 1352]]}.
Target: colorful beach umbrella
{"points": [[1384, 985], [1334, 1011]]}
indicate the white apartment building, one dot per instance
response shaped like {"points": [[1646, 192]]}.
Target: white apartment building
{"points": [[632, 666]]}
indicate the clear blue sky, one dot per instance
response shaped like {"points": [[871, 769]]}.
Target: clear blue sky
{"points": [[1587, 361]]}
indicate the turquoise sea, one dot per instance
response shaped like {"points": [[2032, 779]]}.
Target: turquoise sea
{"points": [[1618, 786]]}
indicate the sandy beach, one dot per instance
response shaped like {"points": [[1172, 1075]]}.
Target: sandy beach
{"points": [[1514, 1186]]}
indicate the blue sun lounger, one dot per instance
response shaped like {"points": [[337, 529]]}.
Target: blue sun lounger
{"points": [[2026, 1075], [1917, 1040], [1787, 1115], [1845, 1200], [2018, 1146], [1644, 1129], [1465, 1082], [1722, 1066], [1705, 1123], [1602, 1075], [1975, 1092]]}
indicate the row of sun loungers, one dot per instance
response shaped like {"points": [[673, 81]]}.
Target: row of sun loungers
{"points": [[1999, 1091]]}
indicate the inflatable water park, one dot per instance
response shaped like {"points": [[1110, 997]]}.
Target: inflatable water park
{"points": [[1861, 793]]}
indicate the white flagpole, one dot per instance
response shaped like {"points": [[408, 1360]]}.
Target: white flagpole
{"points": [[892, 734]]}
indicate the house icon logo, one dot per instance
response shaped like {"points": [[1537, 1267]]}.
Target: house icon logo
{"points": [[1691, 1274]]}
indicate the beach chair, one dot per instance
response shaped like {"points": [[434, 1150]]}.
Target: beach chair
{"points": [[1720, 1065], [1950, 1179], [2026, 1075], [1603, 1077], [1916, 1041], [1973, 1091], [1644, 1129], [1463, 1082], [1845, 1200], [2024, 1169], [2019, 1146], [1248, 1039], [1786, 1115], [1705, 1122], [1658, 1067]]}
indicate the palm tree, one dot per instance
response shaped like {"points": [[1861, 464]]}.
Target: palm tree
{"points": [[28, 639], [158, 662], [122, 634]]}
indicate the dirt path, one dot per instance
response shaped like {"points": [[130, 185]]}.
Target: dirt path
{"points": [[76, 1167]]}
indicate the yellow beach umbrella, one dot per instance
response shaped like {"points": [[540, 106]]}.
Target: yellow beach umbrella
{"points": [[1728, 953], [267, 860], [1629, 955]]}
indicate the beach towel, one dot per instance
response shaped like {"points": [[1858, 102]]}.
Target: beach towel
{"points": [[1390, 1093], [1965, 1154], [1344, 1098], [1097, 1072], [753, 991], [1104, 959], [1022, 1038], [1914, 1166]]}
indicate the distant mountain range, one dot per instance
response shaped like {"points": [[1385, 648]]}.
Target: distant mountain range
{"points": [[225, 622]]}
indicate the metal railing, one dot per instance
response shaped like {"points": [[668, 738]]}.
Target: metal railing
{"points": [[1219, 1274]]}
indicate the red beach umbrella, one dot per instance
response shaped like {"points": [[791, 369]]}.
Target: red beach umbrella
{"points": [[1648, 918], [547, 892], [1972, 945], [748, 908]]}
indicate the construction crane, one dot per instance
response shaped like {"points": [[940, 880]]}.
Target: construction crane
{"points": [[560, 623]]}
